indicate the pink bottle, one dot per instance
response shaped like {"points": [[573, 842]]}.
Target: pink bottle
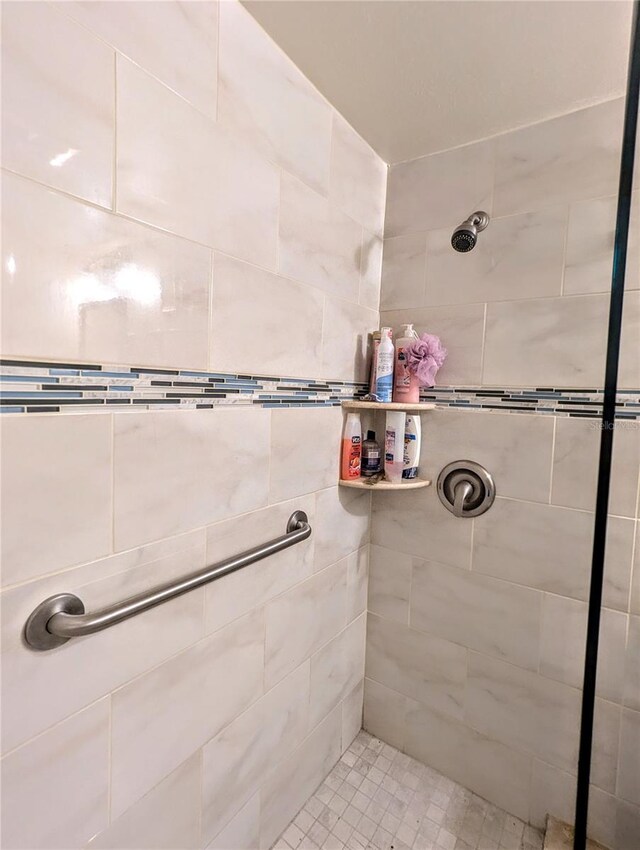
{"points": [[405, 384]]}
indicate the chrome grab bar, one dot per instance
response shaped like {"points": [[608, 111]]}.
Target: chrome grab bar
{"points": [[62, 617]]}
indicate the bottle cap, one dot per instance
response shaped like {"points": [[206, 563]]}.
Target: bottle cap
{"points": [[386, 332]]}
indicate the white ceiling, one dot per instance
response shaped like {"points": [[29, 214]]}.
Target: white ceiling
{"points": [[425, 75]]}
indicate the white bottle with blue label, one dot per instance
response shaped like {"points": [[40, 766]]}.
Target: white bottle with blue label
{"points": [[384, 367], [412, 435]]}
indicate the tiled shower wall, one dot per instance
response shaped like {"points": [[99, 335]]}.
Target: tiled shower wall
{"points": [[476, 627], [177, 196]]}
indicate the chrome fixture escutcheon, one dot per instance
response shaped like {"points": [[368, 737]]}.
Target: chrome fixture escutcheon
{"points": [[466, 488]]}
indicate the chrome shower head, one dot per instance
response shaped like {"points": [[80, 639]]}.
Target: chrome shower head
{"points": [[465, 236]]}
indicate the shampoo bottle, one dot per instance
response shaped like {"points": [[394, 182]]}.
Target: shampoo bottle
{"points": [[405, 383], [384, 366], [412, 434], [394, 445], [375, 345], [371, 460], [351, 448]]}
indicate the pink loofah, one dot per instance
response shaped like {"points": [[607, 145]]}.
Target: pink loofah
{"points": [[425, 356]]}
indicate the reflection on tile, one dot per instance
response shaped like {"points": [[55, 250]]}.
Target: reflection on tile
{"points": [[385, 713], [252, 341], [519, 256], [389, 584], [549, 548], [461, 329], [238, 593], [107, 659], [420, 666], [65, 770], [370, 271], [416, 523], [589, 260], [336, 669], [236, 762], [243, 830], [267, 101], [629, 769], [57, 102], [293, 781], [357, 582], [438, 190], [304, 456], [158, 39], [564, 629], [168, 476], [631, 667], [166, 818], [558, 161], [56, 487], [345, 340], [118, 291], [627, 825], [303, 619], [319, 244], [352, 715], [403, 272], [342, 524], [358, 177], [485, 614], [180, 171], [210, 684], [575, 466], [493, 439]]}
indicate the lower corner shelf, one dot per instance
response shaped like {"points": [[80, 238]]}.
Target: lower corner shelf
{"points": [[408, 484]]}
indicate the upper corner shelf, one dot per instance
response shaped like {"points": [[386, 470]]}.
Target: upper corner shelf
{"points": [[417, 407]]}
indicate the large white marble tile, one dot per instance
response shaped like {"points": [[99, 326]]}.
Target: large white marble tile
{"points": [[177, 470], [440, 190], [304, 451], [631, 667], [549, 548], [481, 613], [164, 819], [563, 636], [303, 619], [251, 341], [482, 764], [389, 584], [99, 288], [319, 244], [589, 258], [237, 761], [634, 602], [158, 38], [268, 102], [370, 271], [336, 669], [345, 340], [107, 659], [385, 713], [461, 330], [494, 440], [562, 160], [357, 582], [56, 493], [358, 178], [420, 666], [575, 465], [628, 786], [519, 256], [557, 342], [293, 781], [342, 524], [416, 523], [352, 715], [240, 592], [57, 101], [182, 703], [404, 272], [179, 170], [55, 789], [243, 830]]}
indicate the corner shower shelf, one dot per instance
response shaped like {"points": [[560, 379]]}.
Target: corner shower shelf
{"points": [[417, 407], [410, 484]]}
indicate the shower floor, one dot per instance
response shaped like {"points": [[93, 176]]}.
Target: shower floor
{"points": [[376, 797]]}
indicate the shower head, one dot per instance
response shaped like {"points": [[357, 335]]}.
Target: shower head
{"points": [[465, 236]]}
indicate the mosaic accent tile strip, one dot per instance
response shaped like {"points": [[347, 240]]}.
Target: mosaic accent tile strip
{"points": [[36, 386], [377, 798]]}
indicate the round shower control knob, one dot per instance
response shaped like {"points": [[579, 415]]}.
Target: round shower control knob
{"points": [[465, 488]]}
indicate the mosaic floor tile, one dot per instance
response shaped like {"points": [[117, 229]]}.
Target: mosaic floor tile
{"points": [[377, 798]]}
